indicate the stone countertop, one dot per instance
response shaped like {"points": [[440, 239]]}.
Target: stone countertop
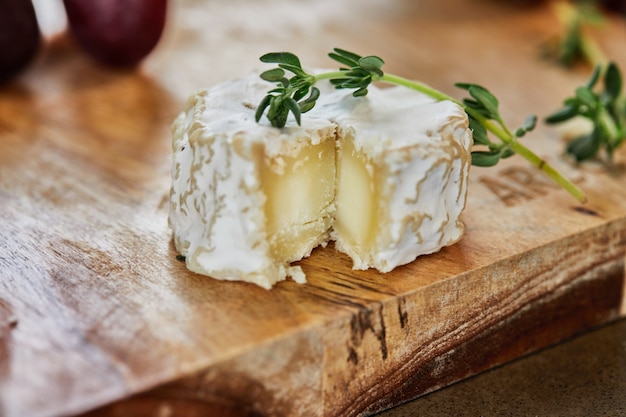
{"points": [[584, 376]]}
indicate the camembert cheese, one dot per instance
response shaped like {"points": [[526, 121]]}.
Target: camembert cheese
{"points": [[384, 176]]}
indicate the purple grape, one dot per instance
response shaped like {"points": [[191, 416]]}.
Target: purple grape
{"points": [[118, 33], [618, 6], [19, 37]]}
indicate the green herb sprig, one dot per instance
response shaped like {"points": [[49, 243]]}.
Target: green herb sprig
{"points": [[288, 96], [575, 44], [606, 109], [482, 108], [359, 72]]}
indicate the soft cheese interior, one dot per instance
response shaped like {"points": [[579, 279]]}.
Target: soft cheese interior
{"points": [[385, 176], [402, 176], [300, 193]]}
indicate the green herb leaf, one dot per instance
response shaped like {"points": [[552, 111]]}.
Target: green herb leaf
{"points": [[528, 125], [308, 103], [485, 159], [584, 147], [265, 102], [360, 73], [301, 92], [281, 58], [482, 102], [349, 58], [606, 110], [612, 82], [292, 105], [586, 97], [562, 115], [343, 60], [506, 152], [477, 107], [372, 64], [479, 132], [273, 75], [485, 99], [463, 86], [595, 76], [295, 69], [360, 92]]}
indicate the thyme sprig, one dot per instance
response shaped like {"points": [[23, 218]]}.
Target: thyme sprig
{"points": [[576, 44], [482, 107], [290, 95], [605, 108], [359, 72]]}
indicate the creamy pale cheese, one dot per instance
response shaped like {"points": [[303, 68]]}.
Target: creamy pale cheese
{"points": [[402, 176], [384, 175]]}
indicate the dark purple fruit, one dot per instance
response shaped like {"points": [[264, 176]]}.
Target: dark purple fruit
{"points": [[19, 37], [615, 5], [117, 33]]}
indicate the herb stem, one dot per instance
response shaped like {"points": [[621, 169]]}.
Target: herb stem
{"points": [[608, 125], [549, 170], [503, 134], [329, 75], [571, 17], [290, 96], [418, 86], [592, 51]]}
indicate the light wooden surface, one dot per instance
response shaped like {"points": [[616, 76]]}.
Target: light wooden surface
{"points": [[97, 316]]}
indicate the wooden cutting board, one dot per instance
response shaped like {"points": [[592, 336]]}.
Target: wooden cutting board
{"points": [[97, 316]]}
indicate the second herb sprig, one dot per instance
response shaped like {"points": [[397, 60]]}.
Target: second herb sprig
{"points": [[298, 94], [605, 108]]}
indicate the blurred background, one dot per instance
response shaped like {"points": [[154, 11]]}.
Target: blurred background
{"points": [[71, 93]]}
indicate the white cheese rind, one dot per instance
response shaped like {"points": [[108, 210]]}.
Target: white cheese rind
{"points": [[216, 200], [416, 151]]}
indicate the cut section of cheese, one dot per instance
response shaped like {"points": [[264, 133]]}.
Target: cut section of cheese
{"points": [[385, 176], [402, 177], [357, 199], [300, 193], [247, 199]]}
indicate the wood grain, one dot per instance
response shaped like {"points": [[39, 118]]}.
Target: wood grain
{"points": [[97, 317]]}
